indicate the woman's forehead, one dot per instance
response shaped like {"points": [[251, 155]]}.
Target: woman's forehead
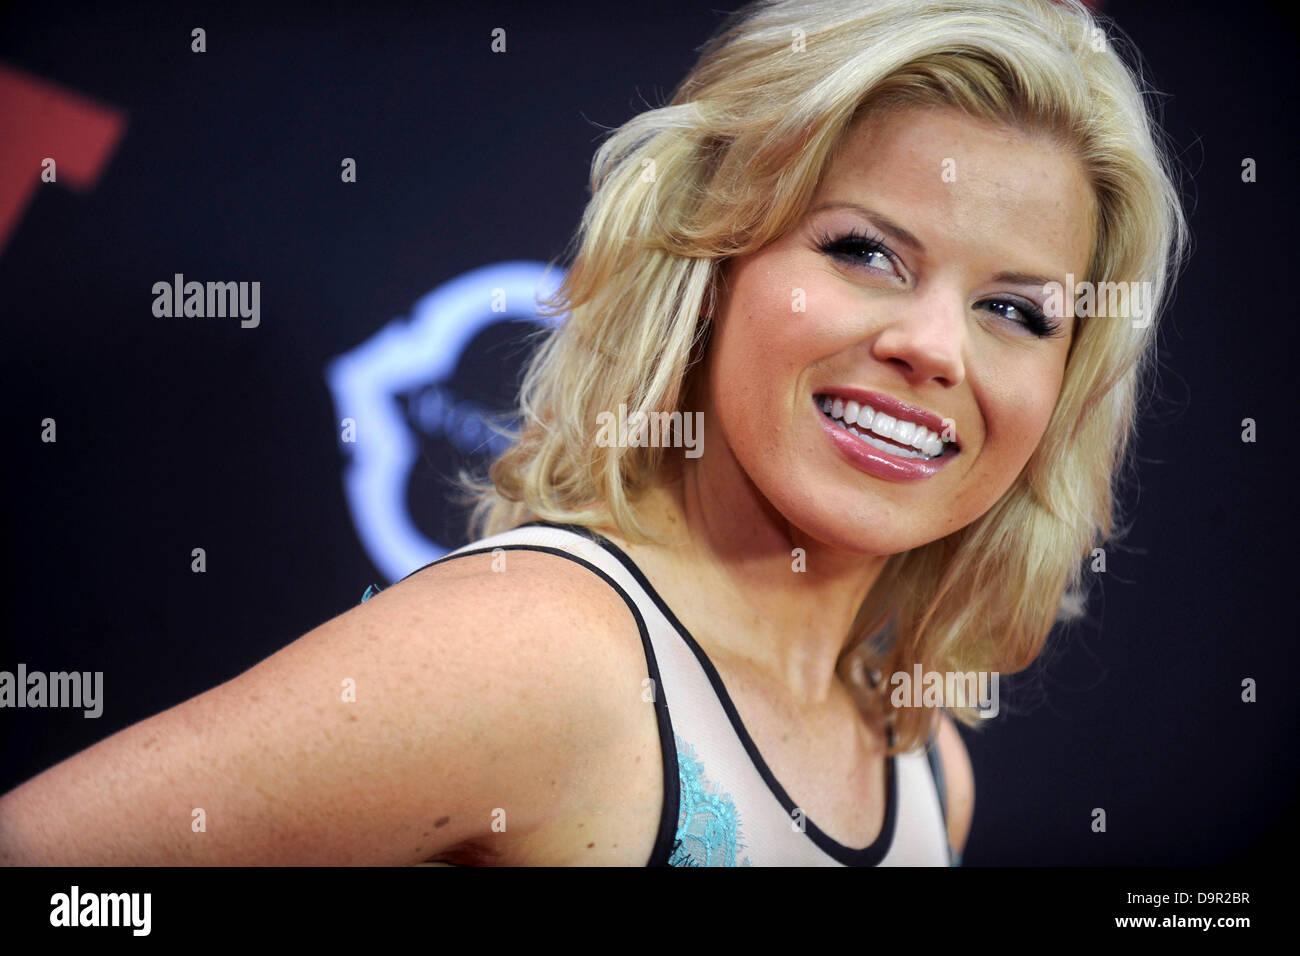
{"points": [[951, 180]]}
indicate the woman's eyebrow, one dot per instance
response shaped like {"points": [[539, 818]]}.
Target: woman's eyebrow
{"points": [[886, 224], [1024, 278], [898, 233]]}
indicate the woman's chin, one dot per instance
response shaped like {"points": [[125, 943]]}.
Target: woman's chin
{"points": [[865, 534]]}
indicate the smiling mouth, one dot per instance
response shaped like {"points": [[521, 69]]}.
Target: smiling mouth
{"points": [[883, 432]]}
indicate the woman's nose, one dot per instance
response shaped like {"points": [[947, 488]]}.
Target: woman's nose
{"points": [[924, 337]]}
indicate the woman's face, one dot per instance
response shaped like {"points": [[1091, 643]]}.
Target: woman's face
{"points": [[910, 287]]}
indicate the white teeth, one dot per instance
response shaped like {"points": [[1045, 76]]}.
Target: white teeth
{"points": [[883, 425], [849, 413]]}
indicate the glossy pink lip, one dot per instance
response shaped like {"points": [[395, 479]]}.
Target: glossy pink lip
{"points": [[872, 460], [896, 409]]}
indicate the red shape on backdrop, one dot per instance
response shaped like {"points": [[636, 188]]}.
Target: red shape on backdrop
{"points": [[42, 119]]}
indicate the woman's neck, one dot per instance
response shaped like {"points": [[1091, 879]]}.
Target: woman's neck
{"points": [[750, 587]]}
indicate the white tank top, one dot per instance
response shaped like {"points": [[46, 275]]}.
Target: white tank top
{"points": [[722, 805]]}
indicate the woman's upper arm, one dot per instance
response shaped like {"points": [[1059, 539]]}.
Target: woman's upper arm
{"points": [[412, 723], [959, 781]]}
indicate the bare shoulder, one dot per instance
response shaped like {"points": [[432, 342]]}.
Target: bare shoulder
{"points": [[570, 645], [959, 780], [545, 606], [572, 637]]}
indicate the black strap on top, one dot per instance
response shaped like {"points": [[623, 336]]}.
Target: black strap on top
{"points": [[936, 767]]}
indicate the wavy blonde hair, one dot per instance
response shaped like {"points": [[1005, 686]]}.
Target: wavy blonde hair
{"points": [[730, 165]]}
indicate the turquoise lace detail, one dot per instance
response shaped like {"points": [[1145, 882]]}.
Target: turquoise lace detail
{"points": [[708, 827]]}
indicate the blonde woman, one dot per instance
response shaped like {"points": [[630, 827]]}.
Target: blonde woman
{"points": [[816, 422]]}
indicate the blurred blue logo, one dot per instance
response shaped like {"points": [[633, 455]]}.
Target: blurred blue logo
{"points": [[416, 356]]}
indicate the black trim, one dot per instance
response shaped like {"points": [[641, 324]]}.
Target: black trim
{"points": [[869, 855], [672, 795], [936, 768]]}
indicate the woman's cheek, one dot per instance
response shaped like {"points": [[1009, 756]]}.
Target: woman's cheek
{"points": [[1016, 428]]}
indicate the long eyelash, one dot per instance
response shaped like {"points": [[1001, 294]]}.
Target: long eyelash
{"points": [[1038, 323], [860, 241]]}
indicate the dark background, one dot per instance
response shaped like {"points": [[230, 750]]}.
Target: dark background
{"points": [[183, 433]]}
